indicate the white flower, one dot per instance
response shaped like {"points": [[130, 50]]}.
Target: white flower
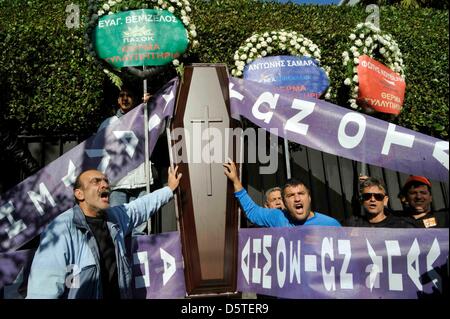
{"points": [[193, 33], [263, 53], [171, 9], [105, 7], [361, 36], [355, 79], [240, 68], [243, 57], [195, 43], [347, 81], [352, 36], [328, 96], [358, 42], [176, 62], [100, 12], [356, 60], [382, 50], [344, 54]]}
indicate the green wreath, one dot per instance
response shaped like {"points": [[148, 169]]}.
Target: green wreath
{"points": [[180, 8]]}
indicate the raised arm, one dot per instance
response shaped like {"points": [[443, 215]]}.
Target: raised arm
{"points": [[231, 172]]}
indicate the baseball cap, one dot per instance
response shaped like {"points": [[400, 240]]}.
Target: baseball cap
{"points": [[416, 179]]}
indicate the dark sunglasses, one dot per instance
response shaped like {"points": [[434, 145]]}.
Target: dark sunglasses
{"points": [[368, 196]]}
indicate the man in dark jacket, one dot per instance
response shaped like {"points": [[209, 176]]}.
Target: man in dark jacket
{"points": [[417, 208], [374, 200]]}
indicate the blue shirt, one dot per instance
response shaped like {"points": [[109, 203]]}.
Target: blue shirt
{"points": [[274, 217]]}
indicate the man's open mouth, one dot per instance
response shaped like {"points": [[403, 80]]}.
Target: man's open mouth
{"points": [[104, 194]]}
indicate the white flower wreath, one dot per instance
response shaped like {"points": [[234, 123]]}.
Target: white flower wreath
{"points": [[371, 41], [180, 8], [274, 42]]}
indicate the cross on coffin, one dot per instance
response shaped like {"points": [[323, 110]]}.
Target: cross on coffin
{"points": [[208, 220], [208, 120]]}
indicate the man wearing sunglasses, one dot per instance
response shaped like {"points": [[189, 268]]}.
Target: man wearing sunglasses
{"points": [[374, 200]]}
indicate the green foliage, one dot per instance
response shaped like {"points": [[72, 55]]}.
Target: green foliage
{"points": [[54, 85], [51, 83]]}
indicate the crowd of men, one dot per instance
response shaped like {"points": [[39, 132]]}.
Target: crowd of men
{"points": [[91, 234]]}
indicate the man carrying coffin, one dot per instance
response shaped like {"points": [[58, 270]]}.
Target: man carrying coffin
{"points": [[296, 198], [82, 252]]}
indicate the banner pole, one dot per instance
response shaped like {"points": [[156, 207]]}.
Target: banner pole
{"points": [[146, 150], [287, 158]]}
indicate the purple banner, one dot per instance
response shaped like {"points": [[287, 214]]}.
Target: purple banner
{"points": [[315, 262], [28, 207], [157, 268], [336, 130], [14, 269], [343, 262], [158, 271]]}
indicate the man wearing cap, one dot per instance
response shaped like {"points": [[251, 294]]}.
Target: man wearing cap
{"points": [[417, 193]]}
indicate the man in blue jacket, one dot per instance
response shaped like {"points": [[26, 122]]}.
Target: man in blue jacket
{"points": [[296, 197], [82, 251]]}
